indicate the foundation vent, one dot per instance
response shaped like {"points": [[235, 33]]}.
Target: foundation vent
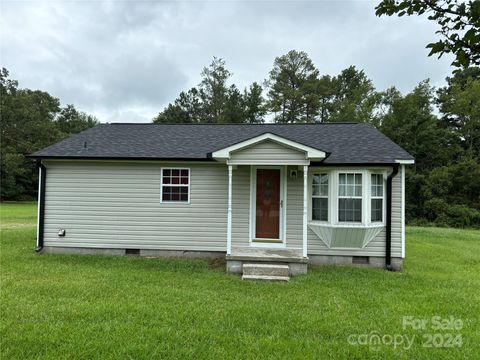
{"points": [[132, 252], [360, 260]]}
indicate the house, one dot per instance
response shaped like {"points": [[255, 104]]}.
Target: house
{"points": [[264, 196]]}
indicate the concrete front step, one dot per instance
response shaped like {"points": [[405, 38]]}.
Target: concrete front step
{"points": [[258, 269], [265, 278]]}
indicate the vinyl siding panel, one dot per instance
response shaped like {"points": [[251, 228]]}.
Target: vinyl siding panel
{"points": [[377, 246], [241, 209], [241, 206], [269, 152], [294, 231], [397, 214], [117, 205]]}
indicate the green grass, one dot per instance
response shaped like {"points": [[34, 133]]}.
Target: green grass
{"points": [[84, 307]]}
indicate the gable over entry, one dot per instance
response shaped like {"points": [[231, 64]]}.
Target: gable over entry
{"points": [[268, 149], [272, 152]]}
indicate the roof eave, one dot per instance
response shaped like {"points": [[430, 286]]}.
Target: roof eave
{"points": [[136, 158]]}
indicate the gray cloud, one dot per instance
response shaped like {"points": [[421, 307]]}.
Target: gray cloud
{"points": [[124, 61]]}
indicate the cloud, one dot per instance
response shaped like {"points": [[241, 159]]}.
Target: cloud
{"points": [[124, 61]]}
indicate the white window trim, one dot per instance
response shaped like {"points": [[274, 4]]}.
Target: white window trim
{"points": [[328, 196], [361, 197], [333, 181], [177, 185], [371, 197]]}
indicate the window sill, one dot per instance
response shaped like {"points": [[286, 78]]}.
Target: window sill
{"points": [[346, 224], [175, 202]]}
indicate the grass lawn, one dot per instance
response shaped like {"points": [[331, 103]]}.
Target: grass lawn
{"points": [[85, 307]]}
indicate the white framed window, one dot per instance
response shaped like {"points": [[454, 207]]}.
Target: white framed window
{"points": [[376, 197], [320, 197], [350, 197], [175, 185]]}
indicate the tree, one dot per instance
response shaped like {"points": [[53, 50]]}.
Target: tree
{"points": [[291, 83], [27, 124], [459, 25], [254, 104], [214, 102], [386, 99], [411, 123], [30, 120], [71, 121], [354, 97], [325, 92], [187, 109], [459, 103], [452, 194], [234, 107], [213, 89]]}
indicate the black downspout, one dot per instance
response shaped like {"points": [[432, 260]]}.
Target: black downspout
{"points": [[41, 205], [388, 240]]}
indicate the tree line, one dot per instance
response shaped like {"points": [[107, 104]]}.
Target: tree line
{"points": [[29, 121], [293, 92], [439, 127]]}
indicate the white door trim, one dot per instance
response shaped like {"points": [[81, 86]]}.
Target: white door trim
{"points": [[253, 208]]}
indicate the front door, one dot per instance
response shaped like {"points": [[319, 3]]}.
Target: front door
{"points": [[267, 220]]}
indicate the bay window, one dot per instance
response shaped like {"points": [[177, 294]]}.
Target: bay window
{"points": [[376, 198], [320, 197], [350, 197]]}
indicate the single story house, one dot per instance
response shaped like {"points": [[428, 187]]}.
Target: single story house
{"points": [[267, 194]]}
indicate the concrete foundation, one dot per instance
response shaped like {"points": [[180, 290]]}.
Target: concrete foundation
{"points": [[297, 266], [183, 254], [143, 252], [373, 261], [82, 251]]}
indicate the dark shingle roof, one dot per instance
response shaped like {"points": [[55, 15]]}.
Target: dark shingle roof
{"points": [[346, 143]]}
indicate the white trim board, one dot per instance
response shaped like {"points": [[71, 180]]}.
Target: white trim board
{"points": [[403, 210], [405, 162]]}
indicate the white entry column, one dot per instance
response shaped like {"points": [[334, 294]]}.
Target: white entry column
{"points": [[229, 211], [305, 210]]}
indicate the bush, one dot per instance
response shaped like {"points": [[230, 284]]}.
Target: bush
{"points": [[444, 214], [463, 216]]}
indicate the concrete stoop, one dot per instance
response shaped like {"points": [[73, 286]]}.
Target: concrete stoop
{"points": [[266, 272]]}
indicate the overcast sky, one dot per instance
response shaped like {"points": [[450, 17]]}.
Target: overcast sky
{"points": [[123, 61]]}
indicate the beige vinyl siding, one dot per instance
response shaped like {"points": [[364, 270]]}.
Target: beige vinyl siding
{"points": [[117, 205], [241, 206], [397, 214], [377, 246], [294, 209], [269, 152]]}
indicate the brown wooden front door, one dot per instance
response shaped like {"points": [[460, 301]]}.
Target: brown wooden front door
{"points": [[267, 222]]}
